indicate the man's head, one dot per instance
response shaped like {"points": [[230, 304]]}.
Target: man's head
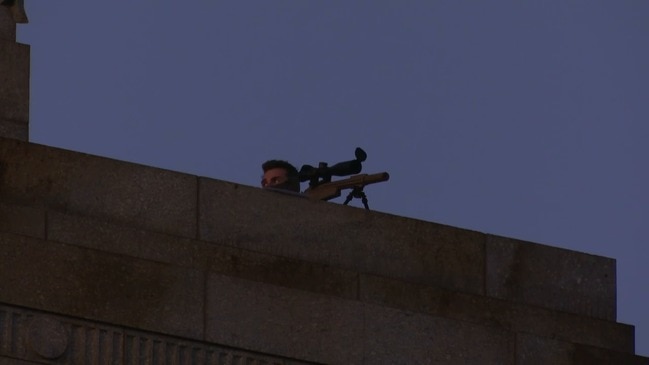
{"points": [[280, 174]]}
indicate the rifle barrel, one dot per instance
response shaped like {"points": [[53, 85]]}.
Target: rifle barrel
{"points": [[332, 189]]}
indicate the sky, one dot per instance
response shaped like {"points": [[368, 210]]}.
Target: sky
{"points": [[522, 119]]}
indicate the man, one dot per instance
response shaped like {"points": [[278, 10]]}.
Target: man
{"points": [[280, 174]]}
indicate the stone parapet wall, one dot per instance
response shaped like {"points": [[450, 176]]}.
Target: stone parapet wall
{"points": [[106, 243], [338, 236]]}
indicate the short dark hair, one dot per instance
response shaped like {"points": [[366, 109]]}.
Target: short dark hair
{"points": [[291, 171]]}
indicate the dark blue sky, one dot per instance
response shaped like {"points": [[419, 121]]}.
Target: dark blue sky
{"points": [[522, 119]]}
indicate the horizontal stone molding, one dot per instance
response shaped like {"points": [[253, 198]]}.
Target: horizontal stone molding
{"points": [[45, 338]]}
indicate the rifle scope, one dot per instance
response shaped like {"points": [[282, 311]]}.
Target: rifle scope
{"points": [[323, 173]]}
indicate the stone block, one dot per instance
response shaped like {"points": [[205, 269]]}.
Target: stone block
{"points": [[141, 196], [282, 321], [399, 337], [13, 129], [96, 285], [551, 277], [7, 25], [207, 256], [24, 220], [121, 239], [488, 311], [14, 82], [534, 350], [341, 236]]}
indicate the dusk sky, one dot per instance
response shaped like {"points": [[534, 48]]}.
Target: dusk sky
{"points": [[526, 119]]}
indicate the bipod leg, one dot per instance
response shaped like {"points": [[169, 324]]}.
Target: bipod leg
{"points": [[364, 200], [357, 192], [349, 198]]}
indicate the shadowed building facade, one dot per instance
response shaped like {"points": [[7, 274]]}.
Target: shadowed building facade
{"points": [[109, 262]]}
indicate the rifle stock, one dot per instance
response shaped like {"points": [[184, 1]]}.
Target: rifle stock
{"points": [[332, 189]]}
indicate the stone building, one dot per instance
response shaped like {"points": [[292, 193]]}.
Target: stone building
{"points": [[108, 262]]}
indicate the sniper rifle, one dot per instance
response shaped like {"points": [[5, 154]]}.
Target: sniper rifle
{"points": [[322, 188]]}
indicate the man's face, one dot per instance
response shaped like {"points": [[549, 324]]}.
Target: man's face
{"points": [[274, 178]]}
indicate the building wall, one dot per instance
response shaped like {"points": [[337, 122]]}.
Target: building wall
{"points": [[103, 254], [108, 262]]}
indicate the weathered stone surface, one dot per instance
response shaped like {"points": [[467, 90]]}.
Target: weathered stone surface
{"points": [[14, 82], [13, 129], [7, 25], [47, 337], [136, 242], [126, 245], [313, 277], [400, 337], [535, 350], [587, 355], [10, 361], [25, 220], [337, 331], [89, 342], [341, 236], [551, 277], [510, 316], [91, 284], [136, 195], [278, 320]]}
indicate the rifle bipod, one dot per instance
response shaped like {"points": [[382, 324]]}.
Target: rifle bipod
{"points": [[357, 192]]}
